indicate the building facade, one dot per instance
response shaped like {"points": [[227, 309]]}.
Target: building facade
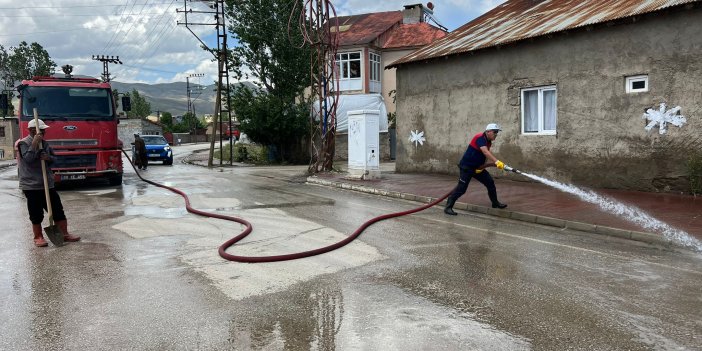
{"points": [[367, 44], [9, 133], [582, 104]]}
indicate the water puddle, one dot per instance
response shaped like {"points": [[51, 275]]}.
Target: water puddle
{"points": [[630, 213]]}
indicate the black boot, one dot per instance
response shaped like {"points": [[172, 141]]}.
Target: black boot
{"points": [[449, 206], [492, 194]]}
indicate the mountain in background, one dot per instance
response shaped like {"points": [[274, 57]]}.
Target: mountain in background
{"points": [[172, 97]]}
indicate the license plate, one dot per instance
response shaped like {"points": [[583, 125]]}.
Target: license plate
{"points": [[154, 155], [73, 176]]}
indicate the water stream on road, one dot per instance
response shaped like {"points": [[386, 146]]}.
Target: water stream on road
{"points": [[630, 213]]}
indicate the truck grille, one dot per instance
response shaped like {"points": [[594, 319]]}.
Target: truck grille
{"points": [[75, 161], [73, 142]]}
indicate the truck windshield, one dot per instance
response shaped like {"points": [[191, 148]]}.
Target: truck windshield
{"points": [[67, 103]]}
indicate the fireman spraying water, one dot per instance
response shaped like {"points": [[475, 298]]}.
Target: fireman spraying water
{"points": [[473, 165]]}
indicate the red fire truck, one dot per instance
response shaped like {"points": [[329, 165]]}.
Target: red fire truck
{"points": [[81, 114]]}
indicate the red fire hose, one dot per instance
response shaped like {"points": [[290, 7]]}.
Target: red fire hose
{"points": [[286, 257]]}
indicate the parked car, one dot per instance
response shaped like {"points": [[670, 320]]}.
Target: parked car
{"points": [[157, 149]]}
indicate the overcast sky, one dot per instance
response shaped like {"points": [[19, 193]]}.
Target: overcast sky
{"points": [[146, 37]]}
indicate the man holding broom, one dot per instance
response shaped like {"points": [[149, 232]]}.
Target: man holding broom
{"points": [[31, 151]]}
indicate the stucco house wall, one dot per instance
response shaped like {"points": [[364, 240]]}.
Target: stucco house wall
{"points": [[9, 133], [389, 80], [600, 140], [128, 127]]}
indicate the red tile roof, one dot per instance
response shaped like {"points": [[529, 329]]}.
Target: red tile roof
{"points": [[412, 35], [363, 29], [517, 20]]}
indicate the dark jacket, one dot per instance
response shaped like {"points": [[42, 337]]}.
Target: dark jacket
{"points": [[29, 164]]}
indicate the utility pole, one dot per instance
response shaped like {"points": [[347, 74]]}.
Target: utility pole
{"points": [[105, 60], [191, 109], [221, 54]]}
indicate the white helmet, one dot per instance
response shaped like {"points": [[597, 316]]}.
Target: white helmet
{"points": [[32, 124], [493, 126]]}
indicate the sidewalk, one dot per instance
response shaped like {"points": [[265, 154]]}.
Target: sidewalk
{"points": [[7, 163], [537, 203]]}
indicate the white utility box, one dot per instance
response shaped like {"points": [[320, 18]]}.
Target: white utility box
{"points": [[364, 140]]}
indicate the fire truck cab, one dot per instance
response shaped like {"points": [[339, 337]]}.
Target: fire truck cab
{"points": [[81, 113]]}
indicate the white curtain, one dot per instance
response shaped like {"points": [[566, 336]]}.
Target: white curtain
{"points": [[550, 110], [531, 111]]}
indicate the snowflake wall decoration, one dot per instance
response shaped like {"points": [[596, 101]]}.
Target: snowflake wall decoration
{"points": [[417, 137], [662, 116]]}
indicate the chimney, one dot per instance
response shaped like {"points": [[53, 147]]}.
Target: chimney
{"points": [[413, 14]]}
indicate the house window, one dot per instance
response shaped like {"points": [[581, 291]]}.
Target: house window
{"points": [[348, 70], [349, 65], [374, 72], [539, 110], [2, 132], [636, 84], [374, 67]]}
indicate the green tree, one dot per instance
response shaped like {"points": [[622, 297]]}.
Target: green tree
{"points": [[28, 60], [23, 62], [140, 107], [188, 124], [167, 120], [269, 52]]}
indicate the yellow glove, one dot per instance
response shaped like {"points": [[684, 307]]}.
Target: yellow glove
{"points": [[499, 164], [478, 171]]}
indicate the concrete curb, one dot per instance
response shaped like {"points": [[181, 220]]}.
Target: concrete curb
{"points": [[8, 164], [649, 238]]}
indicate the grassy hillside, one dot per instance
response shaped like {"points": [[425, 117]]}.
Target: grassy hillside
{"points": [[172, 97]]}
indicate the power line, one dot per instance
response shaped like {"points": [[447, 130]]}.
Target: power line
{"points": [[44, 32], [124, 38], [149, 69], [159, 35], [121, 23], [76, 15], [71, 7]]}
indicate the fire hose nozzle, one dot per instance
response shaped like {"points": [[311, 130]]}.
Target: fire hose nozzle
{"points": [[510, 169]]}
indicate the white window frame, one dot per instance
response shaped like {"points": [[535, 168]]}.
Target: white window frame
{"points": [[540, 110], [374, 59], [633, 79], [375, 76], [343, 67]]}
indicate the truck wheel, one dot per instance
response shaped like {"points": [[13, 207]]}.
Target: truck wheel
{"points": [[116, 180], [168, 162]]}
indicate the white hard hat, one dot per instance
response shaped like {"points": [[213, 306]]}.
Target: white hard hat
{"points": [[42, 125], [493, 126]]}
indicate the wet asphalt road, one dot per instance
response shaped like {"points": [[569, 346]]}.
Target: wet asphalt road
{"points": [[147, 276]]}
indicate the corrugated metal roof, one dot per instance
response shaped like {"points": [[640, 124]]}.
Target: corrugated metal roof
{"points": [[516, 20]]}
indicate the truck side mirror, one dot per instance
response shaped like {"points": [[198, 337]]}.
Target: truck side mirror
{"points": [[3, 103], [126, 103]]}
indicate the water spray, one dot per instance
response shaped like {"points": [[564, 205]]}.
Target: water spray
{"points": [[630, 213]]}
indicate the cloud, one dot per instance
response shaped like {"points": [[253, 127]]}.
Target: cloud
{"points": [[146, 35]]}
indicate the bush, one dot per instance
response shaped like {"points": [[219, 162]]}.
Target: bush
{"points": [[694, 170], [246, 153]]}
